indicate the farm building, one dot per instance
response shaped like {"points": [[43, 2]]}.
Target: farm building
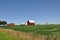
{"points": [[11, 24], [30, 22]]}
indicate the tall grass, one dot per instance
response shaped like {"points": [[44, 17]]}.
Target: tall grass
{"points": [[49, 30]]}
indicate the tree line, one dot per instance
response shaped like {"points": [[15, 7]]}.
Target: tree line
{"points": [[3, 22]]}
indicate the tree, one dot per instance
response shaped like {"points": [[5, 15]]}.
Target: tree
{"points": [[3, 22], [0, 22]]}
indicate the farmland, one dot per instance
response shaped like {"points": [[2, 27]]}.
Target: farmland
{"points": [[48, 30]]}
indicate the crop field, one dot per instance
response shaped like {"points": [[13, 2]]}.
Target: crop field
{"points": [[52, 31]]}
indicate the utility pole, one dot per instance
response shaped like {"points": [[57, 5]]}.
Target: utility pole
{"points": [[46, 23]]}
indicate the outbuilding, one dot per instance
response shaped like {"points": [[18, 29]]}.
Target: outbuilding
{"points": [[11, 24], [30, 22]]}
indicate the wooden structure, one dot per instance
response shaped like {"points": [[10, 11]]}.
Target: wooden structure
{"points": [[30, 22], [11, 24]]}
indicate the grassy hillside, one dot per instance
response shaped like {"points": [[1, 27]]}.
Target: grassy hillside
{"points": [[4, 36], [52, 30], [8, 34]]}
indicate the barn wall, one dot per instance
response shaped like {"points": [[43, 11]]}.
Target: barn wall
{"points": [[28, 23], [11, 24]]}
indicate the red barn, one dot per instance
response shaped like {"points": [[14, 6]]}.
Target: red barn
{"points": [[30, 22], [11, 24]]}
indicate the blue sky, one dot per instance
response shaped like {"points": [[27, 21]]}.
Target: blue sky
{"points": [[19, 11]]}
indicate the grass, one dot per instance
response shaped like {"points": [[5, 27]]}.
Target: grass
{"points": [[4, 36], [49, 30], [38, 29], [8, 35]]}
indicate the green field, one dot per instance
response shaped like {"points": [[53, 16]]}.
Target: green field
{"points": [[4, 36], [38, 29], [48, 30]]}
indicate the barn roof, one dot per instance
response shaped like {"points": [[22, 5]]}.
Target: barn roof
{"points": [[31, 21]]}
